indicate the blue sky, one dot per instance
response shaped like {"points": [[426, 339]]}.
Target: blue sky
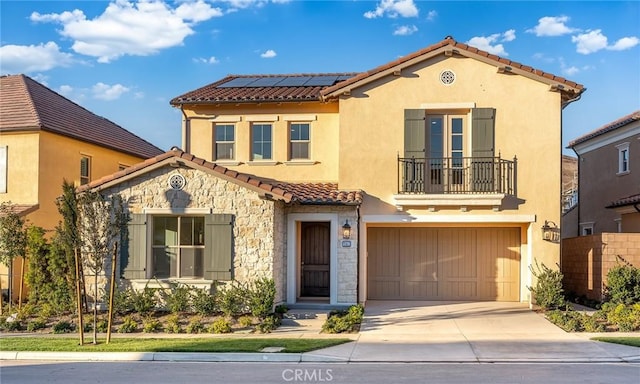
{"points": [[125, 60]]}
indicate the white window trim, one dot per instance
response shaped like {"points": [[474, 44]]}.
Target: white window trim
{"points": [[176, 211], [618, 222], [89, 165], [621, 148], [270, 161], [299, 118], [291, 160], [215, 143], [586, 225]]}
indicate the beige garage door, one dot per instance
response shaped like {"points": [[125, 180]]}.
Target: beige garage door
{"points": [[443, 264]]}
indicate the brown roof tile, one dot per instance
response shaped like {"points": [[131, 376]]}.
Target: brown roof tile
{"points": [[301, 193], [215, 93], [629, 200], [23, 209], [630, 118], [27, 104], [454, 44]]}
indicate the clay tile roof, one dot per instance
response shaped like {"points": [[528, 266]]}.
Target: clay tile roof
{"points": [[449, 41], [630, 118], [302, 193], [629, 200], [248, 88], [22, 209], [26, 104], [321, 193]]}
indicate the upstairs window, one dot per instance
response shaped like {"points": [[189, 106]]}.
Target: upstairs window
{"points": [[299, 139], [261, 142], [85, 170], [224, 142], [623, 158]]}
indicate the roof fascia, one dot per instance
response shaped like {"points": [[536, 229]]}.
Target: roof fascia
{"points": [[607, 138]]}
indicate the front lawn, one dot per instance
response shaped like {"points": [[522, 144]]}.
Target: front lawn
{"points": [[68, 344], [632, 341]]}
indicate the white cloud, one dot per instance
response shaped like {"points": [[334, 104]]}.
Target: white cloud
{"points": [[570, 71], [509, 35], [268, 54], [552, 26], [489, 43], [393, 8], [31, 58], [405, 30], [590, 42], [65, 90], [211, 60], [138, 29], [138, 95], [624, 43], [543, 57], [432, 15], [107, 92]]}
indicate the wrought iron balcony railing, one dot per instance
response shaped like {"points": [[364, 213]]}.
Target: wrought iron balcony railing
{"points": [[457, 175]]}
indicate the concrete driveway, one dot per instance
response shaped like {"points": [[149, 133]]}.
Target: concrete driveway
{"points": [[470, 332]]}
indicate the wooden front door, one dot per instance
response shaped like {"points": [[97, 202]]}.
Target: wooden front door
{"points": [[315, 254]]}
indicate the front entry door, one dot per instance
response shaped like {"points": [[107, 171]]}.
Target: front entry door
{"points": [[315, 254]]}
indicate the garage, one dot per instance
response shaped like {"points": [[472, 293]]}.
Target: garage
{"points": [[414, 263]]}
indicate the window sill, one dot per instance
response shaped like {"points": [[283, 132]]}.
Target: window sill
{"points": [[261, 162], [623, 173], [140, 284], [300, 162], [227, 163]]}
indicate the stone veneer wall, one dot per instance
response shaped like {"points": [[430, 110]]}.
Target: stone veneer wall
{"points": [[586, 260], [347, 257], [258, 229]]}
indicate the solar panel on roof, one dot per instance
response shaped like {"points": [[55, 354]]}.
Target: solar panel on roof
{"points": [[321, 81], [266, 82], [344, 77], [294, 81], [238, 82]]}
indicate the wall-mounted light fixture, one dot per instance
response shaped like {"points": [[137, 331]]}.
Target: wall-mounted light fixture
{"points": [[346, 230], [550, 232]]}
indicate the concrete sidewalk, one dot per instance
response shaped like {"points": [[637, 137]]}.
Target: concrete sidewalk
{"points": [[410, 332]]}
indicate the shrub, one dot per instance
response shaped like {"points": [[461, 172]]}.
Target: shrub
{"points": [[195, 325], [268, 324], [102, 325], [122, 301], [261, 296], [63, 326], [173, 324], [625, 317], [46, 310], [143, 301], [344, 321], [128, 325], [245, 321], [151, 324], [221, 325], [592, 324], [570, 321], [177, 299], [27, 311], [203, 302], [281, 309], [13, 326], [623, 285], [231, 299], [548, 292], [36, 324]]}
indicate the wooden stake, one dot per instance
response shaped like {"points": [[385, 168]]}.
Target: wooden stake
{"points": [[79, 297], [112, 290], [21, 283]]}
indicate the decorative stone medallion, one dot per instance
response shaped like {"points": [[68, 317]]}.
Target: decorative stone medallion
{"points": [[447, 77]]}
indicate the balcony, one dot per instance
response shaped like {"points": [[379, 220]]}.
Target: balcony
{"points": [[455, 181]]}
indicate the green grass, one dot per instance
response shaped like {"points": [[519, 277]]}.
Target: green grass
{"points": [[68, 344], [632, 341]]}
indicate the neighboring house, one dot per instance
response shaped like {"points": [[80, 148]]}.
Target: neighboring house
{"points": [[609, 177], [569, 220], [45, 138], [427, 178]]}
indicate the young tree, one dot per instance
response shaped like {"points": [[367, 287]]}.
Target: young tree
{"points": [[13, 239], [98, 227]]}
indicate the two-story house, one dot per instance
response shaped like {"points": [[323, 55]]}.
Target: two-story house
{"points": [[430, 178], [45, 138], [609, 177]]}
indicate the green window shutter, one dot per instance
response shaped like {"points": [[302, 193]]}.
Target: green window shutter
{"points": [[218, 251], [414, 133], [133, 249], [482, 149]]}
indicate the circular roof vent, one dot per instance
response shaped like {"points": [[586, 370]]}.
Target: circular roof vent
{"points": [[177, 182], [447, 77]]}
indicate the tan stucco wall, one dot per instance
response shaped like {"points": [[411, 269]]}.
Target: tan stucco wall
{"points": [[323, 147], [631, 222], [600, 183], [22, 164]]}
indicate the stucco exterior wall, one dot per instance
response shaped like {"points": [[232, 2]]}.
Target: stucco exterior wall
{"points": [[586, 260], [258, 229], [323, 119], [22, 167]]}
